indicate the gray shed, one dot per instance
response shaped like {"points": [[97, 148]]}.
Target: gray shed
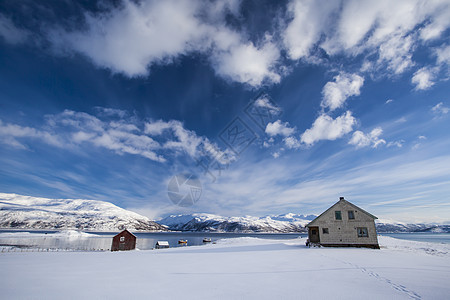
{"points": [[162, 244]]}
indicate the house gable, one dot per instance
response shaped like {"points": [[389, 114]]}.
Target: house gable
{"points": [[343, 206]]}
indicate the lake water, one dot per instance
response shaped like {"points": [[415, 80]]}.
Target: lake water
{"points": [[146, 241], [102, 240]]}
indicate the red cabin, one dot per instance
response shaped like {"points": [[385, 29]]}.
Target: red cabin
{"points": [[124, 241]]}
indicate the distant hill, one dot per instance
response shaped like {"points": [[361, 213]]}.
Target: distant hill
{"points": [[392, 226], [25, 212], [209, 222]]}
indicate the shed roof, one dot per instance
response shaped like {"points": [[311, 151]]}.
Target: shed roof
{"points": [[340, 201], [123, 232], [162, 243]]}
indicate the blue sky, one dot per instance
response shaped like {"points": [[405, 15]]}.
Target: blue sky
{"points": [[110, 101]]}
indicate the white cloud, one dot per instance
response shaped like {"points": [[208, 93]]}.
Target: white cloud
{"points": [[10, 32], [265, 102], [244, 62], [291, 142], [279, 128], [327, 128], [438, 23], [186, 140], [276, 154], [129, 37], [400, 120], [360, 139], [443, 55], [133, 36], [423, 78], [387, 32], [106, 111], [344, 85], [396, 52], [439, 109], [182, 139], [398, 144], [123, 126], [309, 21], [156, 127], [11, 133]]}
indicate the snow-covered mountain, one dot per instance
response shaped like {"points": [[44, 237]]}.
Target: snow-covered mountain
{"points": [[209, 222], [28, 212], [276, 223], [393, 226]]}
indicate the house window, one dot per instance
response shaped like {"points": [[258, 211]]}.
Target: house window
{"points": [[313, 232], [362, 232], [338, 215], [122, 239], [351, 215], [325, 230]]}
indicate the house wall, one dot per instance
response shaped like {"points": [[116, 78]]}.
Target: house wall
{"points": [[344, 232]]}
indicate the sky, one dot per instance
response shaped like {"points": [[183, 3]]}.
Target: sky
{"points": [[273, 106]]}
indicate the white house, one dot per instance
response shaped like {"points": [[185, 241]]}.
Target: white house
{"points": [[344, 225]]}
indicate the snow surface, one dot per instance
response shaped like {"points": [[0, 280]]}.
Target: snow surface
{"points": [[238, 268]]}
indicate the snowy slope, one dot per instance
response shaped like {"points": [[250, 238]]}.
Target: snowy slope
{"points": [[18, 211], [210, 222]]}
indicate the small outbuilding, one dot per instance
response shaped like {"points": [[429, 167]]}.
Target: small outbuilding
{"points": [[344, 225], [162, 244], [124, 241]]}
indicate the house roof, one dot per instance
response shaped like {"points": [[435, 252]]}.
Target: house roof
{"points": [[123, 232], [163, 243], [342, 200]]}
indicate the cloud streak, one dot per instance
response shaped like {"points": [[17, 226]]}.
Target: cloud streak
{"points": [[155, 141], [311, 186]]}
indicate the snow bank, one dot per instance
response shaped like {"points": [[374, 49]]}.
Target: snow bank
{"points": [[441, 249]]}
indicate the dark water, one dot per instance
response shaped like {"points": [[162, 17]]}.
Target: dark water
{"points": [[422, 237], [102, 240]]}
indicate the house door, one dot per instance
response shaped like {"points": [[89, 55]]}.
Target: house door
{"points": [[313, 233]]}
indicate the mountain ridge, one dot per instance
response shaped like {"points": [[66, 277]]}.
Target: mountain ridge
{"points": [[27, 212]]}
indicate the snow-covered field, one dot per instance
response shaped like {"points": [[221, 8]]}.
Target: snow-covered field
{"points": [[239, 268]]}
